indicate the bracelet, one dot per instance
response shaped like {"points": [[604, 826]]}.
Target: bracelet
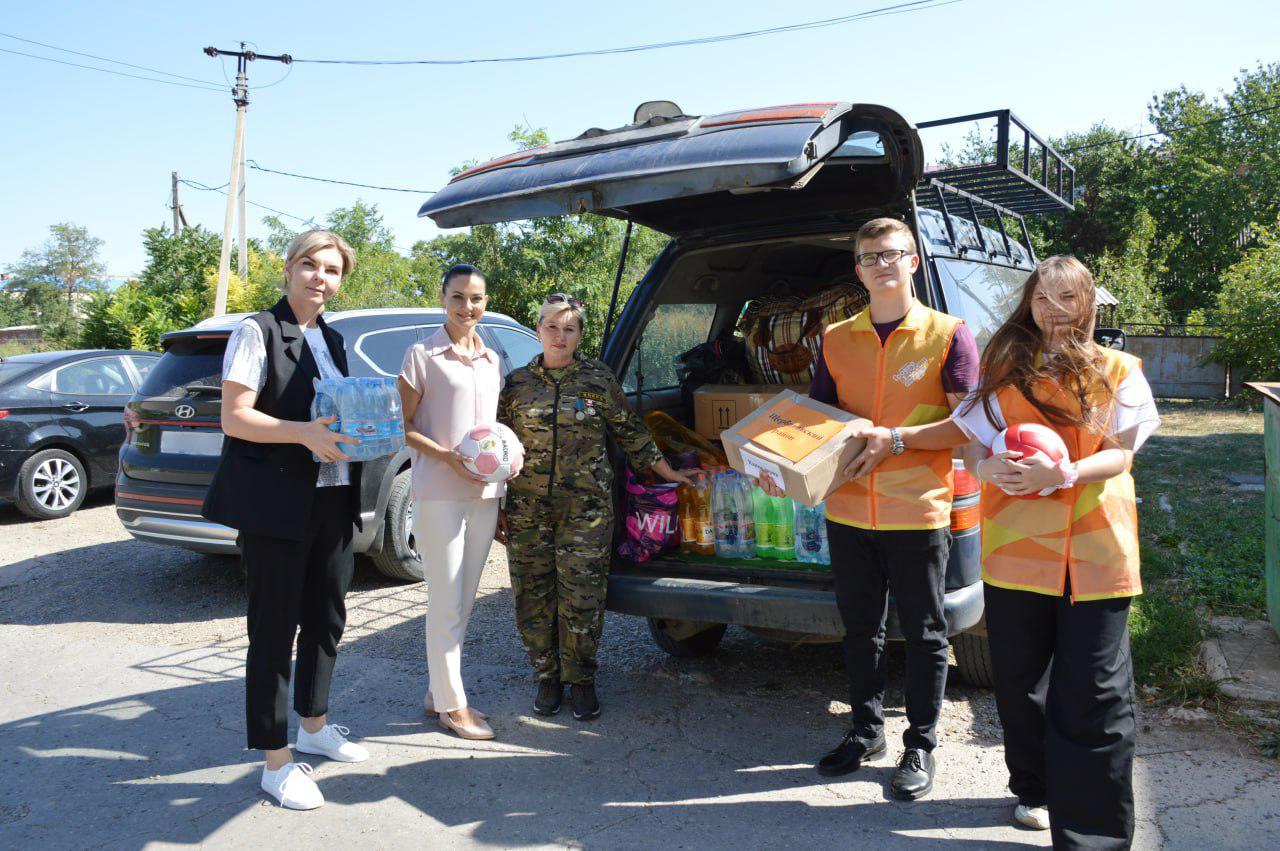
{"points": [[1070, 473]]}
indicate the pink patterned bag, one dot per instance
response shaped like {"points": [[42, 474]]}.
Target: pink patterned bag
{"points": [[652, 525]]}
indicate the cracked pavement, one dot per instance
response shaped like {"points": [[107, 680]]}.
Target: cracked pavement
{"points": [[122, 727]]}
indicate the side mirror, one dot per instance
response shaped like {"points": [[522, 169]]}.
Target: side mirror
{"points": [[1109, 338]]}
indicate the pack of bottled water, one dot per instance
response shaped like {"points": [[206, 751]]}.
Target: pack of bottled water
{"points": [[367, 408]]}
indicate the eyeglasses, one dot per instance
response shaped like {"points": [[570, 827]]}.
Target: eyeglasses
{"points": [[564, 298], [871, 258]]}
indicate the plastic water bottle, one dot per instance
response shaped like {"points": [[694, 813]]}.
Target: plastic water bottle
{"points": [[325, 404], [746, 515], [784, 534], [766, 523], [397, 415], [811, 534], [724, 513]]}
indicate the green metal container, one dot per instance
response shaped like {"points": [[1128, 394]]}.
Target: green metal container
{"points": [[1271, 439]]}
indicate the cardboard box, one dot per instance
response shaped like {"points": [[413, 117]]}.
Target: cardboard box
{"points": [[805, 445], [717, 407]]}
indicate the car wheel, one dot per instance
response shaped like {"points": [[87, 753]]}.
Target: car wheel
{"points": [[973, 659], [673, 636], [51, 484], [398, 558]]}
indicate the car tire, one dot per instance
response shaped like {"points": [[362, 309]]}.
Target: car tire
{"points": [[51, 484], [398, 559], [973, 659], [702, 643]]}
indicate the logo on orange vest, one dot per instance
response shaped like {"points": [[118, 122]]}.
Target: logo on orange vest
{"points": [[912, 372]]}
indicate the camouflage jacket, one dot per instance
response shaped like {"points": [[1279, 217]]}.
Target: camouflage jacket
{"points": [[564, 425]]}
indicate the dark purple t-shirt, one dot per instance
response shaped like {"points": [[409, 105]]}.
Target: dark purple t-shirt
{"points": [[959, 372]]}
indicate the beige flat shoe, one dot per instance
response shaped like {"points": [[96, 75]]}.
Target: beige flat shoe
{"points": [[466, 731], [429, 706]]}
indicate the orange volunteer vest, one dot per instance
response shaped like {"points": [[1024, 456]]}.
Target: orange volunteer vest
{"points": [[1090, 530], [894, 385]]}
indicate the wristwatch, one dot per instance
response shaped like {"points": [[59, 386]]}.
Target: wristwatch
{"points": [[898, 446]]}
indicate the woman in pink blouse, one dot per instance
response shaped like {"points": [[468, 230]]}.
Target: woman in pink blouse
{"points": [[449, 383]]}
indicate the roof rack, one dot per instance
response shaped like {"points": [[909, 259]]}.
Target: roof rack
{"points": [[952, 201], [1029, 180]]}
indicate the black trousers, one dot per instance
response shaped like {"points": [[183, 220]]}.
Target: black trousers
{"points": [[912, 564], [296, 584], [1064, 690]]}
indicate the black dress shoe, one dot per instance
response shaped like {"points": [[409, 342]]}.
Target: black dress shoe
{"points": [[849, 754], [582, 697], [914, 777], [550, 696]]}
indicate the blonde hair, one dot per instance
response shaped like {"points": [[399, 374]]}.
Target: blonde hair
{"points": [[549, 310], [879, 227], [309, 242]]}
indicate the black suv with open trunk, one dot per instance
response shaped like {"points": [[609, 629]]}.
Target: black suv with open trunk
{"points": [[757, 202]]}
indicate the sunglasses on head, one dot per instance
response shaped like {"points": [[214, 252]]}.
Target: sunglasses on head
{"points": [[564, 298]]}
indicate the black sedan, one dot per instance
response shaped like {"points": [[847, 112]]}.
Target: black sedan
{"points": [[61, 424]]}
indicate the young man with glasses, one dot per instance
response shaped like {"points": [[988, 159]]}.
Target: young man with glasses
{"points": [[904, 367]]}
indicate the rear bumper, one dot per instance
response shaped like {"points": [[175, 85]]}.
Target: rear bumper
{"points": [[170, 514], [800, 610]]}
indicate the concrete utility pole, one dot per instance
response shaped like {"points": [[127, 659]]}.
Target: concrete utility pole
{"points": [[235, 186], [177, 208]]}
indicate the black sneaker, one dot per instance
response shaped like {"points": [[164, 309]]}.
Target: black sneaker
{"points": [[914, 777], [582, 697], [550, 696], [850, 754]]}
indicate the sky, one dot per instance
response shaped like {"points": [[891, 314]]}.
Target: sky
{"points": [[97, 149]]}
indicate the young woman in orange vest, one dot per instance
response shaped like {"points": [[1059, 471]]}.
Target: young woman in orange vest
{"points": [[1061, 569], [904, 367]]}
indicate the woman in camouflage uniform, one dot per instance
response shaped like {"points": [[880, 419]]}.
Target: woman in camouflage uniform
{"points": [[558, 520]]}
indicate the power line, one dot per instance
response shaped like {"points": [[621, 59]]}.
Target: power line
{"points": [[254, 165], [194, 184], [105, 59], [896, 9], [109, 71], [1219, 120]]}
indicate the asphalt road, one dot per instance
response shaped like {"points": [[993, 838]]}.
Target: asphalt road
{"points": [[121, 726]]}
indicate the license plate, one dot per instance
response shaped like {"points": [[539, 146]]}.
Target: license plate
{"points": [[191, 442]]}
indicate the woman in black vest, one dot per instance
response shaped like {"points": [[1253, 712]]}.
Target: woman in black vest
{"points": [[295, 515]]}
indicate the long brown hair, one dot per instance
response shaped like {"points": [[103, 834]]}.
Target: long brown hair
{"points": [[1014, 355]]}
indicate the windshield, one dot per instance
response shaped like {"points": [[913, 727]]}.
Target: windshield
{"points": [[981, 294]]}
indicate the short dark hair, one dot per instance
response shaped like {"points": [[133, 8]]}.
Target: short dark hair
{"points": [[458, 270]]}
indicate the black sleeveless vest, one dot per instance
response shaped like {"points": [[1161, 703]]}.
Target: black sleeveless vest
{"points": [[267, 488]]}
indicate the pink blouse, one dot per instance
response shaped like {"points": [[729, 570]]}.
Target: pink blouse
{"points": [[458, 393]]}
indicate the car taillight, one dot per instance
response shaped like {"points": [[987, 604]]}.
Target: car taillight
{"points": [[132, 422], [966, 517], [966, 483], [3, 414]]}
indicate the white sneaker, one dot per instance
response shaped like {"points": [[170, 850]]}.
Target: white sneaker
{"points": [[292, 786], [1036, 818], [331, 741]]}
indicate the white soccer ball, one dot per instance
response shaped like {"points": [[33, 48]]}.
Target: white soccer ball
{"points": [[491, 451]]}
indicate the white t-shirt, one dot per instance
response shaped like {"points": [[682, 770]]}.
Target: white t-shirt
{"points": [[245, 362], [1135, 410]]}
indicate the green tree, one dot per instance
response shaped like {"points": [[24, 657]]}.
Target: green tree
{"points": [[68, 259], [1132, 274], [1249, 309], [383, 277]]}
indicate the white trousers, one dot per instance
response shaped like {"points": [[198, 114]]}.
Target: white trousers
{"points": [[453, 539]]}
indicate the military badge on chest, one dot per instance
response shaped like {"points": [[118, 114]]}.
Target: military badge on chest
{"points": [[584, 408]]}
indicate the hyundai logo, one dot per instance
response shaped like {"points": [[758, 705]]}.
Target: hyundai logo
{"points": [[184, 412]]}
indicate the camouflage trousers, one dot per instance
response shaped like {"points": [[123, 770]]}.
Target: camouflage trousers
{"points": [[558, 554]]}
